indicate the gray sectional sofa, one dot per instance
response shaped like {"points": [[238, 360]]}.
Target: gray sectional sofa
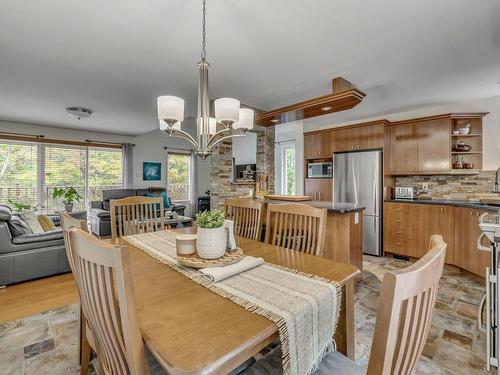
{"points": [[100, 218], [28, 256]]}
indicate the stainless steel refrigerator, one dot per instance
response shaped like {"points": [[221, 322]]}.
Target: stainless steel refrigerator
{"points": [[358, 178]]}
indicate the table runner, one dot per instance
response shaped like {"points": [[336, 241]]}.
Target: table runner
{"points": [[304, 307]]}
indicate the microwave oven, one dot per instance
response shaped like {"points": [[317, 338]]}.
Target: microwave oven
{"points": [[319, 170]]}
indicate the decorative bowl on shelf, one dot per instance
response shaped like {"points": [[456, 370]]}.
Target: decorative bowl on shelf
{"points": [[465, 130], [461, 146], [468, 165], [458, 165]]}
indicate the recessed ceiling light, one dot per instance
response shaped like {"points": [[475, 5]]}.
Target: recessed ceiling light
{"points": [[78, 112], [275, 121], [326, 108]]}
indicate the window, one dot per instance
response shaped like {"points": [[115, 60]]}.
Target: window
{"points": [[179, 176], [29, 172], [289, 169], [18, 173], [105, 171], [64, 166]]}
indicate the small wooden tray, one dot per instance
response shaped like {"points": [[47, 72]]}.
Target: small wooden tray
{"points": [[194, 261]]}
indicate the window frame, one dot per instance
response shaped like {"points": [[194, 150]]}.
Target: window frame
{"points": [[283, 147], [188, 154], [42, 197]]}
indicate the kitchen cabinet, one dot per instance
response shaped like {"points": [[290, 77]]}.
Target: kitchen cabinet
{"points": [[434, 145], [321, 189], [408, 228], [318, 145], [360, 138], [467, 255], [404, 148], [421, 147]]}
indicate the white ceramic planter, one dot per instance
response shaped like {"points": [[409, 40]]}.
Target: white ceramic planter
{"points": [[211, 243]]}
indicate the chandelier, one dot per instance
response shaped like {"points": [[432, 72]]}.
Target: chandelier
{"points": [[234, 121]]}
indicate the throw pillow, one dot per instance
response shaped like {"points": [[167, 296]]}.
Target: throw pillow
{"points": [[32, 219], [153, 195], [18, 226], [46, 223], [166, 199]]}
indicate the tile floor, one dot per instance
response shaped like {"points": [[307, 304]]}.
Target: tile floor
{"points": [[454, 345], [47, 343]]}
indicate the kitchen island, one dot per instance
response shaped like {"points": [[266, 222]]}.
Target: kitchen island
{"points": [[344, 230]]}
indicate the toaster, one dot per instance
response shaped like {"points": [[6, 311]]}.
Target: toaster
{"points": [[404, 192]]}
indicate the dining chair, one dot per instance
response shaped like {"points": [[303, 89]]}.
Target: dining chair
{"points": [[86, 340], [247, 216], [107, 298], [296, 226], [133, 215], [407, 299]]}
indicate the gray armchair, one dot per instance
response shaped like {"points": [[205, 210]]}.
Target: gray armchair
{"points": [[31, 255]]}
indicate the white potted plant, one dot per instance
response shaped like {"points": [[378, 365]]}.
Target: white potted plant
{"points": [[211, 238]]}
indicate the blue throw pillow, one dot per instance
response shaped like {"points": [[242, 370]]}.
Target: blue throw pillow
{"points": [[164, 195], [166, 199]]}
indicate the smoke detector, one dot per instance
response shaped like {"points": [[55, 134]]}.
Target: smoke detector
{"points": [[78, 112]]}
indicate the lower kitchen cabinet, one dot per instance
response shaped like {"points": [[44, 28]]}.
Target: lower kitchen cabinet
{"points": [[321, 189], [408, 228], [467, 255]]}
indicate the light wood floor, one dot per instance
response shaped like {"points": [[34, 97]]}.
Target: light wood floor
{"points": [[33, 297]]}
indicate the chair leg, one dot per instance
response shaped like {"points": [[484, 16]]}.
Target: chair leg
{"points": [[86, 351]]}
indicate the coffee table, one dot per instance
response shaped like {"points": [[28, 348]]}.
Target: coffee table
{"points": [[179, 221]]}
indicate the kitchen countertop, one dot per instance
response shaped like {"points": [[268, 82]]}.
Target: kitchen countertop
{"points": [[448, 202], [339, 208]]}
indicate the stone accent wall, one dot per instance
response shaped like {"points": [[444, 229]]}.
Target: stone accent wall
{"points": [[221, 184], [453, 187]]}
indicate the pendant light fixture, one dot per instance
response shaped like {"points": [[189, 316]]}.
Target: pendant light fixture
{"points": [[234, 121]]}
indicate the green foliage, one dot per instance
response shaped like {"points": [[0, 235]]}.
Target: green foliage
{"points": [[210, 219], [290, 171], [20, 207], [68, 194]]}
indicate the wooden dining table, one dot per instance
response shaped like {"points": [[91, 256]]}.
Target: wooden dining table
{"points": [[191, 330]]}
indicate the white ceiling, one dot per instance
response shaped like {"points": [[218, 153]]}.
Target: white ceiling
{"points": [[115, 57]]}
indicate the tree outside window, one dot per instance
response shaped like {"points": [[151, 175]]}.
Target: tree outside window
{"points": [[179, 176]]}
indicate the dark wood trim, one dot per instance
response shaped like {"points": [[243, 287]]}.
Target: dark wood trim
{"points": [[36, 139]]}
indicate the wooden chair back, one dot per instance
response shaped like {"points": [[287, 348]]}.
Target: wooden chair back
{"points": [[405, 307], [68, 221], [247, 216], [107, 299], [296, 226], [133, 215]]}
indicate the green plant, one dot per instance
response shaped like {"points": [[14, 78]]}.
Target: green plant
{"points": [[19, 206], [68, 194], [210, 219]]}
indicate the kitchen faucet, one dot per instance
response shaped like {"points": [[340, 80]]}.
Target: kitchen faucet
{"points": [[497, 181]]}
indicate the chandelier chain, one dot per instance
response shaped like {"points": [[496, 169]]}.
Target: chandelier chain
{"points": [[204, 33]]}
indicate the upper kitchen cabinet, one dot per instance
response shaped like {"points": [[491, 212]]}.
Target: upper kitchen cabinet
{"points": [[404, 148], [431, 146], [434, 145], [318, 145]]}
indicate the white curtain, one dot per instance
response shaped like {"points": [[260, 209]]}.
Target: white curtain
{"points": [[127, 165]]}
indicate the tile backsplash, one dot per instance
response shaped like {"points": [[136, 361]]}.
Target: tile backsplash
{"points": [[473, 187]]}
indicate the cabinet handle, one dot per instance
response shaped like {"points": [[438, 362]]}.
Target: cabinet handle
{"points": [[358, 146], [398, 232], [399, 243], [470, 213], [398, 209], [399, 221], [442, 209]]}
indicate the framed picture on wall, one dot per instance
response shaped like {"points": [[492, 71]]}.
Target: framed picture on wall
{"points": [[151, 171]]}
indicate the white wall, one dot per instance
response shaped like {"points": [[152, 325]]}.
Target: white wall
{"points": [[491, 123], [245, 149], [290, 132]]}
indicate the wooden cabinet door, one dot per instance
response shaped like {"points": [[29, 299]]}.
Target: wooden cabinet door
{"points": [[404, 148], [309, 146], [434, 145], [335, 141], [326, 145], [467, 230], [392, 227], [371, 136], [321, 189]]}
